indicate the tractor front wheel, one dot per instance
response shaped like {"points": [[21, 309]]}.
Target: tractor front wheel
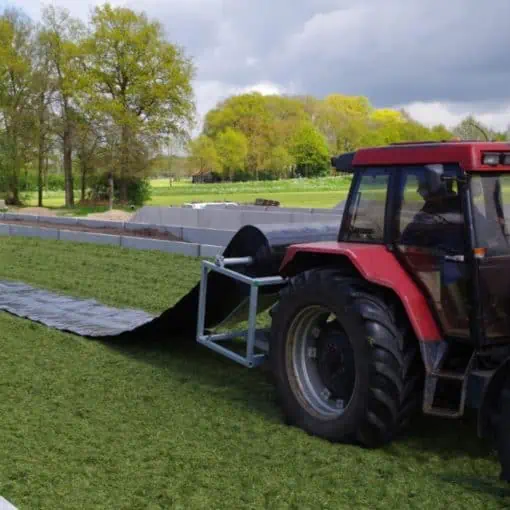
{"points": [[339, 361]]}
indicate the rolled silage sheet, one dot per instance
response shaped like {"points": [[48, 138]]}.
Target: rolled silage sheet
{"points": [[266, 244]]}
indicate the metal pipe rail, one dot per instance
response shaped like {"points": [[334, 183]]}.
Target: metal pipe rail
{"points": [[252, 335]]}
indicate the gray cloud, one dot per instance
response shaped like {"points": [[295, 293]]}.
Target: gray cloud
{"points": [[393, 51], [396, 51]]}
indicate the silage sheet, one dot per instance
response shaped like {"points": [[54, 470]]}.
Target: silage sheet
{"points": [[88, 318], [85, 317]]}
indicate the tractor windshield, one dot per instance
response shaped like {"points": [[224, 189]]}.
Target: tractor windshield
{"points": [[491, 201]]}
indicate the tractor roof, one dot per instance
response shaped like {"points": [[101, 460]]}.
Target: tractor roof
{"points": [[470, 155]]}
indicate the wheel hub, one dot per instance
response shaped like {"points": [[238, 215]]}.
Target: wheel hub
{"points": [[322, 359], [335, 362]]}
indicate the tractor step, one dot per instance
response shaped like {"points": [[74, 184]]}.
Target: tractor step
{"points": [[431, 381]]}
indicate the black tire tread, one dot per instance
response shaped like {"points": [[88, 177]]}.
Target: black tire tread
{"points": [[501, 424], [393, 380]]}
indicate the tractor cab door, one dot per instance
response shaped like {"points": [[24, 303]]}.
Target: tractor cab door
{"points": [[430, 241], [491, 218]]}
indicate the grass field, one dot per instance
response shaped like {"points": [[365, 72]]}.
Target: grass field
{"points": [[84, 425], [323, 192]]}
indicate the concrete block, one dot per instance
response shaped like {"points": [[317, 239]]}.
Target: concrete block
{"points": [[254, 218], [220, 219], [315, 218], [100, 223], [210, 236], [20, 217], [167, 216], [59, 220], [181, 216], [4, 230], [129, 226], [87, 237], [148, 214], [141, 243], [171, 229], [208, 251], [174, 230], [24, 231]]}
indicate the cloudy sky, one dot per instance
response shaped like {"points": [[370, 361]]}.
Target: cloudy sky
{"points": [[440, 60]]}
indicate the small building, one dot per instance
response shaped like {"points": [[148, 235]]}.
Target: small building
{"points": [[205, 177]]}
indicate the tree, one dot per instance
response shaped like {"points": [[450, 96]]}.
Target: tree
{"points": [[232, 148], [139, 81], [43, 88], [471, 129], [61, 37], [89, 141], [16, 120], [248, 114], [440, 132], [310, 152], [344, 120], [203, 155], [280, 162]]}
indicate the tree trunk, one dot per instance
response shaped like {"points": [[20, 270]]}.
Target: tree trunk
{"points": [[15, 175], [124, 162], [40, 170], [68, 165], [83, 181], [110, 190]]}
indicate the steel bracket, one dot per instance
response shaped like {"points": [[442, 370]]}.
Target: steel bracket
{"points": [[254, 337]]}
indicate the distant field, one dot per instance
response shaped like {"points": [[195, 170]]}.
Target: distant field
{"points": [[322, 192]]}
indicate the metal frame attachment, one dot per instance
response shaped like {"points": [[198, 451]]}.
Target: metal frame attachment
{"points": [[252, 335]]}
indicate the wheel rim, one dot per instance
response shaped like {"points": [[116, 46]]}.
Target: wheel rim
{"points": [[320, 362]]}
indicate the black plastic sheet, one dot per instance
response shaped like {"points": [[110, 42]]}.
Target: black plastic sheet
{"points": [[266, 244]]}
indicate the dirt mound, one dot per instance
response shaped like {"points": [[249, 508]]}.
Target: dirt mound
{"points": [[36, 211], [115, 215]]}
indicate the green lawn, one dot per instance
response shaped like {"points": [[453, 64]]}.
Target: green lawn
{"points": [[84, 425], [323, 192]]}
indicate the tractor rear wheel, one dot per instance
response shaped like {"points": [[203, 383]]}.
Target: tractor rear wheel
{"points": [[502, 429], [341, 368]]}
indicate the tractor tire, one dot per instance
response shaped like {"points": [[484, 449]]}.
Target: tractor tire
{"points": [[352, 379], [413, 376], [502, 430]]}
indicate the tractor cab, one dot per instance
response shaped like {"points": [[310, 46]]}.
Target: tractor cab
{"points": [[448, 223]]}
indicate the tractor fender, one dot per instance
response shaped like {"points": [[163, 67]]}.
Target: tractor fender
{"points": [[376, 264], [490, 396]]}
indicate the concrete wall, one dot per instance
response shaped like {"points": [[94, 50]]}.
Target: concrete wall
{"points": [[212, 227], [138, 243], [232, 218]]}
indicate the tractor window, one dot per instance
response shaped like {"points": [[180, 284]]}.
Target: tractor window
{"points": [[490, 196], [365, 219], [431, 213]]}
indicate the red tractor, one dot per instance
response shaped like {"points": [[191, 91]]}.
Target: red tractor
{"points": [[410, 307]]}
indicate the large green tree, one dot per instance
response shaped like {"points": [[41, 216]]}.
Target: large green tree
{"points": [[232, 147], [248, 114], [16, 99], [344, 120], [203, 155], [141, 82], [310, 152], [61, 40]]}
